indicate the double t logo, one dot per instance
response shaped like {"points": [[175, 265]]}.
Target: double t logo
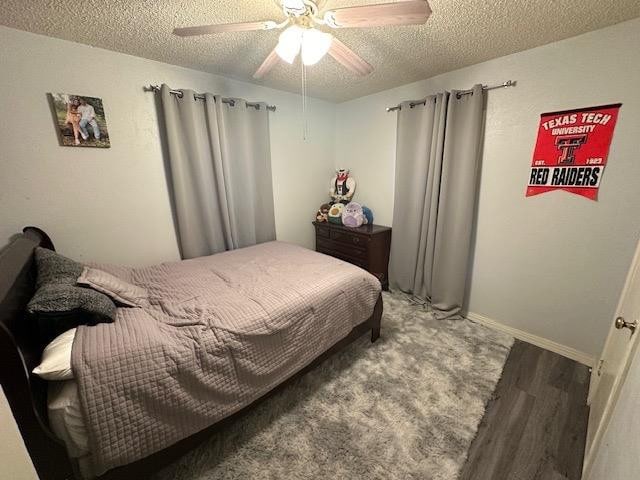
{"points": [[568, 144]]}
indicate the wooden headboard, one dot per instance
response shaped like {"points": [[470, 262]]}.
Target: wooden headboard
{"points": [[20, 352]]}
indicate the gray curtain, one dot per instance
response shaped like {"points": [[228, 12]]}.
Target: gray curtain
{"points": [[437, 165], [220, 172]]}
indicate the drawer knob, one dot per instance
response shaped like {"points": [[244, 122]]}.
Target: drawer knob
{"points": [[356, 240]]}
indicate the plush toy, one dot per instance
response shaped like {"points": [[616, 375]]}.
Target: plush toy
{"points": [[342, 187], [368, 215], [321, 216], [352, 215], [335, 213]]}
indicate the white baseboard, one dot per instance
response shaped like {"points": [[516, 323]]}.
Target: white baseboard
{"points": [[541, 342]]}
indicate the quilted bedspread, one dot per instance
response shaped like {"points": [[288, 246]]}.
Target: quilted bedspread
{"points": [[218, 333]]}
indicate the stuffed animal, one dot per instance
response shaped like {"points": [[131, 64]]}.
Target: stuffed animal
{"points": [[368, 215], [352, 215], [335, 213], [342, 187], [321, 215]]}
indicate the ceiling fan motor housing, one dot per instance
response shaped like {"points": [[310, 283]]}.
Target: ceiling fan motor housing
{"points": [[299, 8]]}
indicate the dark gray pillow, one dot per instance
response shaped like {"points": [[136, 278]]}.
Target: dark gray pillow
{"points": [[54, 268], [59, 304]]}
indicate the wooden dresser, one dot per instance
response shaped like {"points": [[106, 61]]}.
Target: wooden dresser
{"points": [[366, 246]]}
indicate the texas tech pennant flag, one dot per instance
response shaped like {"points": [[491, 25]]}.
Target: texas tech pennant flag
{"points": [[571, 150]]}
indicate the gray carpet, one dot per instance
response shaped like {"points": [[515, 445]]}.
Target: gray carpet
{"points": [[405, 407]]}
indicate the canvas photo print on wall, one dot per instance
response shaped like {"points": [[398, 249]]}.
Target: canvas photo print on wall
{"points": [[81, 120]]}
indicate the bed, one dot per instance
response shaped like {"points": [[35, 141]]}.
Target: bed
{"points": [[220, 334]]}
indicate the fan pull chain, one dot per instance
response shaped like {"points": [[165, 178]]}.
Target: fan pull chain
{"points": [[305, 119]]}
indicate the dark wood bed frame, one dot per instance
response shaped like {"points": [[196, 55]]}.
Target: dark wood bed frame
{"points": [[20, 353]]}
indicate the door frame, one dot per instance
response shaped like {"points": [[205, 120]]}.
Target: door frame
{"points": [[617, 386]]}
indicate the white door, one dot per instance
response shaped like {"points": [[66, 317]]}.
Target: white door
{"points": [[617, 455], [611, 370]]}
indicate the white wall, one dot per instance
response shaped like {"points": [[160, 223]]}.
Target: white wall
{"points": [[111, 205], [552, 265]]}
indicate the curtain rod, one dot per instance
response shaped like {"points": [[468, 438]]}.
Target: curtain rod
{"points": [[508, 83], [199, 96]]}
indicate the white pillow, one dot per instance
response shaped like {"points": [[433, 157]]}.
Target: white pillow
{"points": [[122, 292], [56, 358]]}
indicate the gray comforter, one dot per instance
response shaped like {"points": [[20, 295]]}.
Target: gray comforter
{"points": [[218, 332]]}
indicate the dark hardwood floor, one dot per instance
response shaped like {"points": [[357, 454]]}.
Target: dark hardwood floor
{"points": [[536, 424]]}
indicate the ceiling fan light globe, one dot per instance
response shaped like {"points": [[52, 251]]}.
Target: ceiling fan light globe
{"points": [[315, 45], [289, 43]]}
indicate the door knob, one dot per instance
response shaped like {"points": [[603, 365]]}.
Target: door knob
{"points": [[622, 323]]}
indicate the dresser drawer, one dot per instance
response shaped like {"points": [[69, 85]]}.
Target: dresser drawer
{"points": [[343, 248], [358, 262], [322, 231], [366, 247], [349, 238]]}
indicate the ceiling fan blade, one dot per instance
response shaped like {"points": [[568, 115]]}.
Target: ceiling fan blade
{"points": [[269, 62], [410, 12], [349, 59], [225, 27]]}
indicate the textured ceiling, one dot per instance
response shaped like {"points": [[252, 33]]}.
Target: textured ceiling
{"points": [[459, 33]]}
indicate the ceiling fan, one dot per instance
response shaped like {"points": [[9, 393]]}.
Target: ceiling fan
{"points": [[302, 37]]}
